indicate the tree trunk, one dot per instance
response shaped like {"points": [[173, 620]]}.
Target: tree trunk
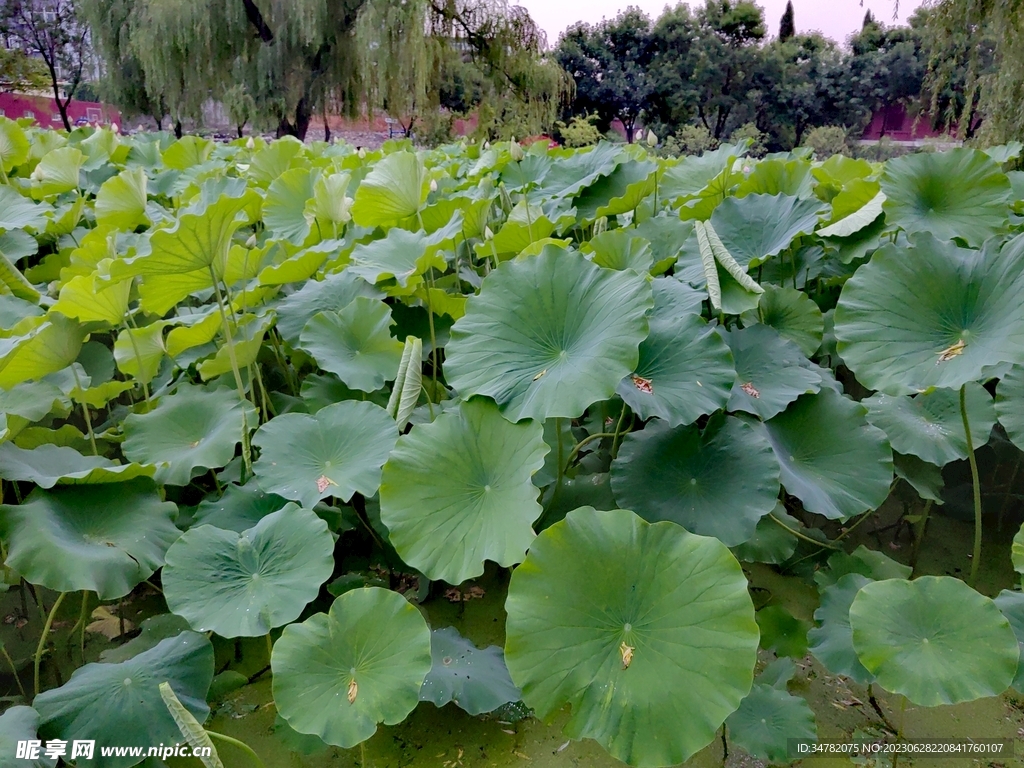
{"points": [[327, 128], [61, 108], [630, 127], [240, 130], [300, 127], [177, 129]]}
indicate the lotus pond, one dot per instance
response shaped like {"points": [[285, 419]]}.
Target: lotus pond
{"points": [[503, 455]]}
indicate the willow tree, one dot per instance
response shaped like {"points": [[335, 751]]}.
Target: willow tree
{"points": [[297, 58], [986, 36]]}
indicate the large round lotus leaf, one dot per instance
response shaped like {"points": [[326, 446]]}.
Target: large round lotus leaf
{"points": [[337, 452], [934, 640], [338, 674], [1011, 604], [101, 538], [394, 189], [245, 584], [929, 425], [961, 193], [333, 293], [757, 227], [685, 370], [238, 509], [355, 344], [19, 724], [836, 463], [771, 372], [718, 482], [120, 704], [793, 314], [195, 428], [476, 680], [767, 719], [549, 335], [458, 491], [831, 641], [1010, 404], [646, 631], [47, 465], [932, 315]]}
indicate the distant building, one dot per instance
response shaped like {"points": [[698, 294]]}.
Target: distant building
{"points": [[892, 122], [43, 109]]}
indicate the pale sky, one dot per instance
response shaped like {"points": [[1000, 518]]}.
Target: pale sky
{"points": [[835, 18]]}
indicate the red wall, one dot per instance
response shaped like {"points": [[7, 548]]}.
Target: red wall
{"points": [[44, 110], [894, 122]]}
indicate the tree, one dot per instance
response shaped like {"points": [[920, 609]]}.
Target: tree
{"points": [[297, 57], [609, 62], [19, 72], [787, 25], [52, 31]]}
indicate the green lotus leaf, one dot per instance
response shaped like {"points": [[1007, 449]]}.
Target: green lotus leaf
{"points": [[934, 640], [139, 352], [121, 201], [621, 191], [248, 340], [332, 294], [960, 193], [275, 158], [929, 425], [404, 256], [337, 452], [102, 538], [836, 463], [571, 174], [20, 723], [194, 428], [867, 562], [337, 675], [685, 369], [1010, 405], [121, 703], [793, 314], [355, 344], [17, 211], [88, 299], [475, 679], [932, 315], [186, 152], [767, 719], [621, 249], [14, 145], [782, 632], [831, 641], [778, 177], [646, 631], [859, 245], [284, 209], [50, 346], [923, 477], [526, 225], [771, 372], [718, 482], [329, 206], [771, 543], [756, 227], [692, 174], [57, 172], [394, 189], [1011, 604], [238, 509], [300, 266], [856, 206], [48, 465], [151, 632], [245, 584], [548, 336], [481, 507]]}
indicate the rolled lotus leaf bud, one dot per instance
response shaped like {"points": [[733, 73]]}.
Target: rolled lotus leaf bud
{"points": [[250, 144], [516, 151]]}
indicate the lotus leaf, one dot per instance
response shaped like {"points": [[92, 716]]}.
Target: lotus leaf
{"points": [[934, 640], [245, 584], [771, 372], [476, 680], [646, 631], [717, 482], [338, 452], [831, 641], [337, 675], [767, 719], [548, 336]]}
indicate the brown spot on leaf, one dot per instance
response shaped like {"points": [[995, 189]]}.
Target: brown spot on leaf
{"points": [[751, 390], [954, 350], [626, 651], [322, 482], [353, 691], [644, 385]]}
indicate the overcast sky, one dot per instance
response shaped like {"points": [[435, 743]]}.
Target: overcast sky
{"points": [[835, 18]]}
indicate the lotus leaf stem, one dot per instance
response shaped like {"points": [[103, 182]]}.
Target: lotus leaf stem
{"points": [[14, 671], [801, 536], [618, 430], [42, 640], [853, 527], [919, 533], [229, 341], [138, 359], [270, 647], [239, 744], [976, 482], [362, 754], [433, 336], [576, 448], [85, 413]]}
